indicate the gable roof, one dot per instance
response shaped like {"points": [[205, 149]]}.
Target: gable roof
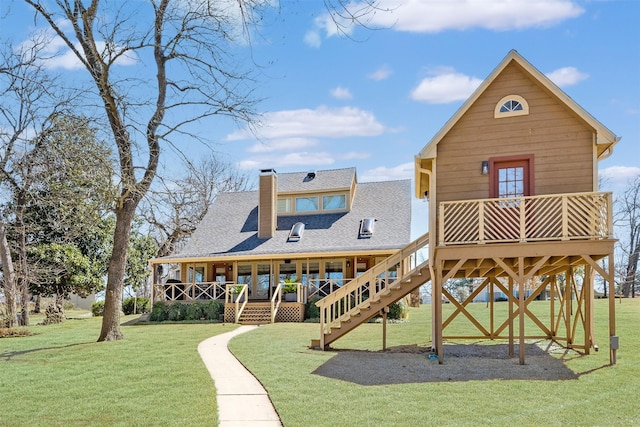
{"points": [[605, 139], [230, 227]]}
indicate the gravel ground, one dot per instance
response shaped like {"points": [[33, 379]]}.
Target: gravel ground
{"points": [[462, 362]]}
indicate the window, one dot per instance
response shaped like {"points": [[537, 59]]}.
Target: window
{"points": [[334, 202], [511, 105], [284, 205], [306, 204]]}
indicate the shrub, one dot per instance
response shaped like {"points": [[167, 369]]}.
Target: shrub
{"points": [[194, 312], [140, 306], [14, 332], [53, 315], [177, 311], [68, 305], [313, 312], [398, 310], [159, 312], [97, 308], [212, 310]]}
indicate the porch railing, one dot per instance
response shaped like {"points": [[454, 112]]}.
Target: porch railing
{"points": [[324, 287], [189, 291], [238, 295], [526, 219]]}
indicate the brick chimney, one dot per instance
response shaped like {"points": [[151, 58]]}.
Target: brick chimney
{"points": [[267, 203]]}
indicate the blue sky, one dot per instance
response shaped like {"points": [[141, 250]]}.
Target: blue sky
{"points": [[374, 99]]}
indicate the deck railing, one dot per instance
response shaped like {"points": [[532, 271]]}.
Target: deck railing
{"points": [[189, 291], [377, 280], [526, 219]]}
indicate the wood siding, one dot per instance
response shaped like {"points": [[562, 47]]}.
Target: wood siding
{"points": [[561, 143]]}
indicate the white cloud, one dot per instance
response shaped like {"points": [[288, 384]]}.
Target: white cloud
{"points": [[383, 173], [293, 159], [447, 86], [282, 145], [341, 93], [381, 73], [618, 176], [435, 16], [320, 122], [312, 38], [566, 76]]}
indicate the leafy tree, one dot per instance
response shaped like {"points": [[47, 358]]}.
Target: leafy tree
{"points": [[141, 249], [31, 102], [63, 269]]}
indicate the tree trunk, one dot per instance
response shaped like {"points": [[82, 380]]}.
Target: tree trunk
{"points": [[9, 278], [115, 275], [23, 283]]}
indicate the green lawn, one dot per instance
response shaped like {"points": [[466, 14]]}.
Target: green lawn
{"points": [[597, 395], [155, 377], [62, 377]]}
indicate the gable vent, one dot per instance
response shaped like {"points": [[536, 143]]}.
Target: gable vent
{"points": [[366, 227], [296, 232]]}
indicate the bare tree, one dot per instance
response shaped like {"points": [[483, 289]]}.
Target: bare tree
{"points": [[187, 45], [190, 51], [175, 207], [628, 219]]}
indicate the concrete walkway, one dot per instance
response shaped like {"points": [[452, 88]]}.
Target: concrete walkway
{"points": [[242, 401]]}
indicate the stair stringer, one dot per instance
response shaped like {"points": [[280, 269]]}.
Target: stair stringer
{"points": [[365, 297], [363, 314]]}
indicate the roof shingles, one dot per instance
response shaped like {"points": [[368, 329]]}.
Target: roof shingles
{"points": [[230, 227]]}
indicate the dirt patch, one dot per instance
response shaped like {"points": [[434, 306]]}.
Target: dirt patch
{"points": [[462, 362]]}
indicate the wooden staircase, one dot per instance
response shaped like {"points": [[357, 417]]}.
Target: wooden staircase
{"points": [[256, 314], [367, 295]]}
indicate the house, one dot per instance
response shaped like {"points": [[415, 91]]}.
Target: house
{"points": [[316, 229], [512, 184]]}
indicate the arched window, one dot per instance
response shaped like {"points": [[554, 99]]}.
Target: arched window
{"points": [[511, 105]]}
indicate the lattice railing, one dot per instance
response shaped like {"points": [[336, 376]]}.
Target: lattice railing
{"points": [[526, 219], [188, 291]]}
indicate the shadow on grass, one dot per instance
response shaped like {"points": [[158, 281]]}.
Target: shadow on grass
{"points": [[7, 356], [462, 362]]}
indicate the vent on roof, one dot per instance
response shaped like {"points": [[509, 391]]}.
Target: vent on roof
{"points": [[296, 232], [310, 176], [366, 227]]}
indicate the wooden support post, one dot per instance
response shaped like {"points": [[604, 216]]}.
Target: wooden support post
{"points": [[510, 302], [491, 314], [552, 307], [521, 307], [384, 327], [587, 292], [437, 306], [567, 301], [612, 313]]}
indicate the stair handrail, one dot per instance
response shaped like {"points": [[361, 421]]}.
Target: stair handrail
{"points": [[241, 291], [276, 299], [350, 297]]}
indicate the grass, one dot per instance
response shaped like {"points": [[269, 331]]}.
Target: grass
{"points": [[62, 377], [600, 395], [154, 377]]}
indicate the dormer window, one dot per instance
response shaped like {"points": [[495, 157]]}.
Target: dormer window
{"points": [[296, 232], [334, 202], [366, 227], [511, 105]]}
